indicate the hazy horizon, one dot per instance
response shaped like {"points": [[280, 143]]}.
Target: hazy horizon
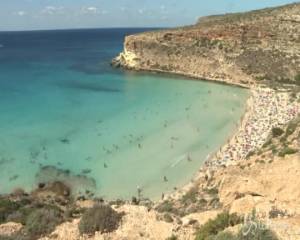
{"points": [[23, 15]]}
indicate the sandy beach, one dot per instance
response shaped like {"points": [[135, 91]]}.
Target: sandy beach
{"points": [[266, 108]]}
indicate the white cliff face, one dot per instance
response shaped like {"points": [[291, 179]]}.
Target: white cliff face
{"points": [[129, 58]]}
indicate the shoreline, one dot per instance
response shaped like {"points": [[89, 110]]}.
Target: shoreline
{"points": [[263, 106], [117, 63], [209, 164], [159, 216], [213, 162]]}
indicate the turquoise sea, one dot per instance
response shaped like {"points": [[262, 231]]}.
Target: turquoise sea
{"points": [[65, 114]]}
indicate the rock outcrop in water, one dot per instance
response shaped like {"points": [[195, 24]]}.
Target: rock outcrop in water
{"points": [[80, 184], [239, 48]]}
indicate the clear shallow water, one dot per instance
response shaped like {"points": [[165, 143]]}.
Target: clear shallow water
{"points": [[102, 129]]}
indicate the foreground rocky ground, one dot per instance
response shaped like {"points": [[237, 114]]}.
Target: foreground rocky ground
{"points": [[256, 196]]}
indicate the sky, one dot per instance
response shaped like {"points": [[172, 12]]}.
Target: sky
{"points": [[66, 14]]}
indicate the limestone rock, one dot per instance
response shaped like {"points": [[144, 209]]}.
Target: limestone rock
{"points": [[10, 228]]}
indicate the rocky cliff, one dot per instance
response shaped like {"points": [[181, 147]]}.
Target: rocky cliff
{"points": [[241, 48]]}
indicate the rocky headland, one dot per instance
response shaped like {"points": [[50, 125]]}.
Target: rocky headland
{"points": [[249, 189], [240, 48]]}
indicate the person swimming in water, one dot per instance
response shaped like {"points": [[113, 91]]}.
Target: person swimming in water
{"points": [[139, 191]]}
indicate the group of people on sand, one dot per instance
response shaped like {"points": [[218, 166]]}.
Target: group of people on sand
{"points": [[266, 109]]}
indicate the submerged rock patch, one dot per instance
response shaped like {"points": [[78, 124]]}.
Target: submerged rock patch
{"points": [[78, 183]]}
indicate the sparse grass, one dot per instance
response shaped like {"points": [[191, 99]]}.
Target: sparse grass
{"points": [[15, 237], [173, 237], [7, 207], [287, 151], [100, 218], [168, 218], [260, 232], [213, 227], [260, 161], [38, 218], [293, 96], [20, 215], [190, 197], [297, 79], [223, 236], [191, 202], [267, 143], [291, 128], [273, 148], [42, 221], [212, 191], [167, 206], [276, 132], [250, 154], [275, 213], [242, 167]]}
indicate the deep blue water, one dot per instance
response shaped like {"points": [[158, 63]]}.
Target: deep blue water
{"points": [[65, 114]]}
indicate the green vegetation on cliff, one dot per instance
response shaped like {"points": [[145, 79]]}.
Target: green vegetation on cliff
{"points": [[100, 218]]}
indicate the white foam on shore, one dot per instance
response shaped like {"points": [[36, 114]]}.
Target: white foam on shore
{"points": [[178, 160]]}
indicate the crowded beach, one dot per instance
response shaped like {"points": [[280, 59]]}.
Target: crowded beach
{"points": [[266, 108]]}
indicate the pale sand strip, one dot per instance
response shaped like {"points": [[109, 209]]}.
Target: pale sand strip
{"points": [[266, 108]]}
